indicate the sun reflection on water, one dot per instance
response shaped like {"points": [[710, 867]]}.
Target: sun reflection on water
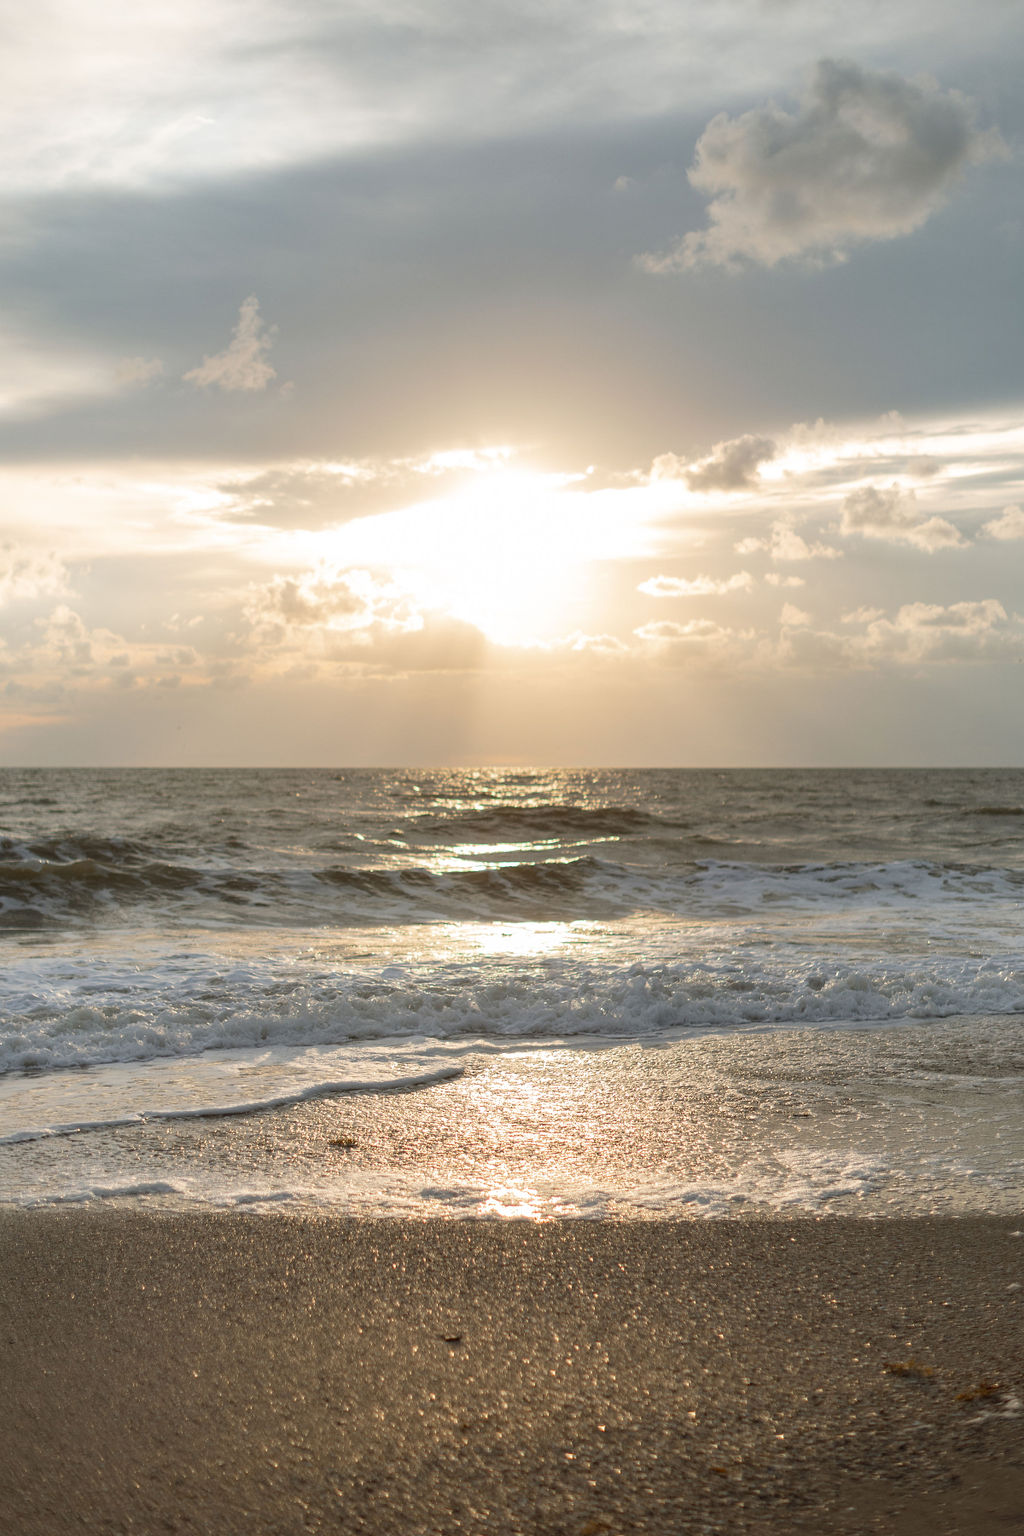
{"points": [[525, 939]]}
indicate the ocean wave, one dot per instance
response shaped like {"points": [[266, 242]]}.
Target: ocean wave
{"points": [[99, 1016], [36, 892], [500, 822], [502, 885], [133, 886]]}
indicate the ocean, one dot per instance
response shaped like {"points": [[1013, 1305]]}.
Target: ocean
{"points": [[636, 994]]}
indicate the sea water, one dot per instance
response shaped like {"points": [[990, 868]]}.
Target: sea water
{"points": [[510, 992]]}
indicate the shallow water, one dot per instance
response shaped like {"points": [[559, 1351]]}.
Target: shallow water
{"points": [[491, 956]]}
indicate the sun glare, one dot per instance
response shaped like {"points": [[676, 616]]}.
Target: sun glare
{"points": [[507, 559], [508, 554]]}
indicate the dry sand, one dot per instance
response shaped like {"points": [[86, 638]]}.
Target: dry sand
{"points": [[269, 1374]]}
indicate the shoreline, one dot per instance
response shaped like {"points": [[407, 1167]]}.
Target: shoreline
{"points": [[217, 1372], [906, 1120]]}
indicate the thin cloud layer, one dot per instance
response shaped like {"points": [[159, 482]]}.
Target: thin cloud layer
{"points": [[697, 586], [138, 371], [869, 155], [243, 364]]}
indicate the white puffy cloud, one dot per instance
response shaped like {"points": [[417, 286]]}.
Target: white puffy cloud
{"points": [[917, 634], [1008, 525], [964, 631], [65, 636], [776, 579], [243, 364], [28, 575], [863, 615], [785, 544], [698, 586], [893, 514], [868, 155], [608, 647], [669, 629], [66, 644], [333, 617], [730, 466], [671, 642], [330, 598]]}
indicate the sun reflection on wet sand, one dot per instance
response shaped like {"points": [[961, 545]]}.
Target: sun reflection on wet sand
{"points": [[514, 1204]]}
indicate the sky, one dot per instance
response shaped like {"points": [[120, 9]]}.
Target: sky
{"points": [[461, 382]]}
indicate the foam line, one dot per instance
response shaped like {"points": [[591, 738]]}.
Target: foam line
{"points": [[252, 1107]]}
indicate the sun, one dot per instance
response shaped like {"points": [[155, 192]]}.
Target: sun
{"points": [[512, 551], [504, 556], [507, 554]]}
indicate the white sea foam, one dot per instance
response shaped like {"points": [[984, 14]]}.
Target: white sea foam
{"points": [[127, 1191], [94, 1010]]}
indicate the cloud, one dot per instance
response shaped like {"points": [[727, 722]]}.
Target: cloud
{"points": [[730, 466], [67, 643], [698, 586], [917, 634], [332, 599], [774, 579], [315, 495], [784, 543], [663, 630], [964, 631], [26, 576], [867, 156], [601, 646], [138, 370], [863, 615], [1008, 525], [332, 616], [324, 493], [243, 364], [894, 515], [670, 643]]}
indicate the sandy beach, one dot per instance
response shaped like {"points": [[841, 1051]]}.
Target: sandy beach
{"points": [[231, 1373]]}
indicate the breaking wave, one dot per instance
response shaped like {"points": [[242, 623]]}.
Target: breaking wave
{"points": [[99, 1012]]}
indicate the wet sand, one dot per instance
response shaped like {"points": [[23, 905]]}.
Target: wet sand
{"points": [[262, 1373]]}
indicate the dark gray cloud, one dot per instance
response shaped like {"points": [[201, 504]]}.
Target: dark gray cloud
{"points": [[483, 292]]}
